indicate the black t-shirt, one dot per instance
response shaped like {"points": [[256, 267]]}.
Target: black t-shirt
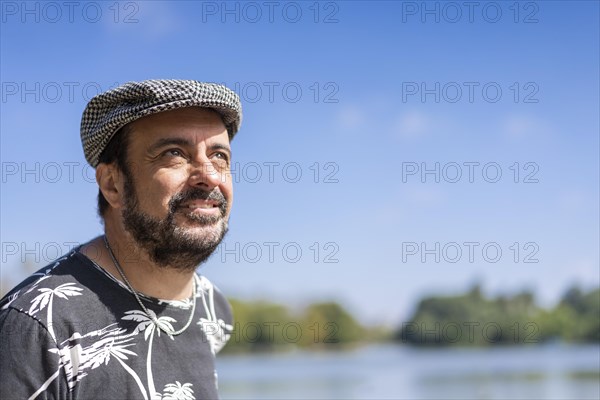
{"points": [[72, 331]]}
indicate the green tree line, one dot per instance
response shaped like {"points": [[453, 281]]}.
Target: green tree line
{"points": [[262, 325], [472, 319], [469, 319]]}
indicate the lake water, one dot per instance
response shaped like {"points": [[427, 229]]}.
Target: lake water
{"points": [[556, 371]]}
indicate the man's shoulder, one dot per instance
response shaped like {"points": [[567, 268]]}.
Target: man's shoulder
{"points": [[207, 287], [57, 279]]}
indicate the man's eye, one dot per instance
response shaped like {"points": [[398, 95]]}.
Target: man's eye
{"points": [[174, 153], [222, 156]]}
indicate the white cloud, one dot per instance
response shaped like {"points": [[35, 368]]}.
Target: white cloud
{"points": [[525, 126], [424, 196], [412, 124], [351, 117], [148, 19]]}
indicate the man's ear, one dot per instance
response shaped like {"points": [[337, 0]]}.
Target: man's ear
{"points": [[110, 182]]}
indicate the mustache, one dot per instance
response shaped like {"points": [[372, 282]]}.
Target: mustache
{"points": [[198, 194]]}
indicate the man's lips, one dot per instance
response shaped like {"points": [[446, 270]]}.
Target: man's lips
{"points": [[202, 206]]}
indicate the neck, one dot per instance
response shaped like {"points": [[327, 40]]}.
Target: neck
{"points": [[144, 276]]}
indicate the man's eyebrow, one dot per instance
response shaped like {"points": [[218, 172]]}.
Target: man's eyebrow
{"points": [[168, 142]]}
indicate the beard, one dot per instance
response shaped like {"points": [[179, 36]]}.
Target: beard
{"points": [[170, 245]]}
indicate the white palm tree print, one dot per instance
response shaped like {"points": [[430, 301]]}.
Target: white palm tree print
{"points": [[185, 304], [147, 325], [215, 329], [46, 298], [35, 285], [119, 351], [217, 333], [77, 360], [177, 391], [43, 275], [10, 299]]}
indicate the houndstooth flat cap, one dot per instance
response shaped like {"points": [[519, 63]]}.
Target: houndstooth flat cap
{"points": [[108, 112]]}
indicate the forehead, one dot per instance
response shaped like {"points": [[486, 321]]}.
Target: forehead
{"points": [[194, 124]]}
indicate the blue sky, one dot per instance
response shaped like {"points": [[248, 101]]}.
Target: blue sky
{"points": [[353, 96]]}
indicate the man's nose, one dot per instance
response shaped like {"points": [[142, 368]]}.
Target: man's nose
{"points": [[204, 174]]}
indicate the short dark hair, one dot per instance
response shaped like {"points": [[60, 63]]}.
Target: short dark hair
{"points": [[114, 152]]}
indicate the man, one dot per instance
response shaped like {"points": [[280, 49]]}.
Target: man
{"points": [[125, 316]]}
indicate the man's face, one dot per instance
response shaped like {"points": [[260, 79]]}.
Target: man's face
{"points": [[178, 192]]}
